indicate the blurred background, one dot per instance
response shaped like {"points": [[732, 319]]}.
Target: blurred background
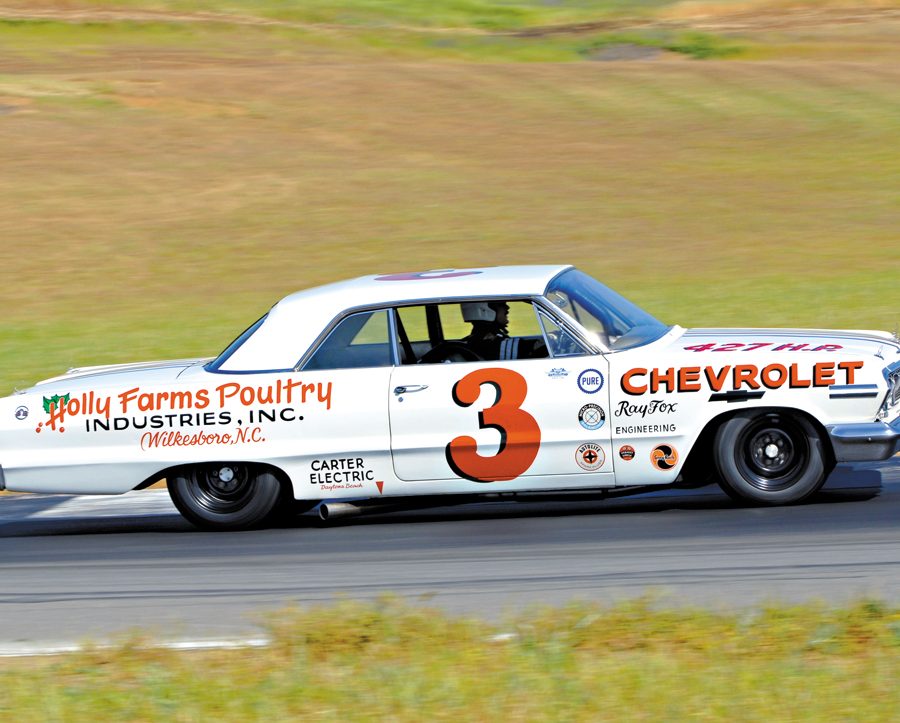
{"points": [[171, 168]]}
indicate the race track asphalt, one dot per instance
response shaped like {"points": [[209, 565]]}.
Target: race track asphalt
{"points": [[76, 568]]}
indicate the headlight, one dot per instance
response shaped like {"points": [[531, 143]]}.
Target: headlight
{"points": [[892, 377]]}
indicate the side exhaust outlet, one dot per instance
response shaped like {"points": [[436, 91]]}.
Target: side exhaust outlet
{"points": [[335, 510]]}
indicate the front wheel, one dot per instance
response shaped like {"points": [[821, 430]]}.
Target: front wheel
{"points": [[224, 496], [770, 458]]}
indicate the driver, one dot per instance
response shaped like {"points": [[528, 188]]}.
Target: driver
{"points": [[490, 337]]}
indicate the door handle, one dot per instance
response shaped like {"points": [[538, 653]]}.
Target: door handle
{"points": [[409, 389]]}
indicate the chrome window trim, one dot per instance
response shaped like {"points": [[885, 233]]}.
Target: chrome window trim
{"points": [[299, 366], [335, 323], [565, 322]]}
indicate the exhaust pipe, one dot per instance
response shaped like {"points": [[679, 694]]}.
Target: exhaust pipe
{"points": [[335, 510]]}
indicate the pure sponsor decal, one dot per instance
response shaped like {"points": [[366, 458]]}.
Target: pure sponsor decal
{"points": [[664, 457], [639, 380], [591, 416], [626, 452], [21, 413], [655, 406], [341, 473], [590, 456], [776, 346], [590, 381], [163, 411], [557, 373], [634, 430]]}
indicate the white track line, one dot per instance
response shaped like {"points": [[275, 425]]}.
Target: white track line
{"points": [[29, 650], [145, 502]]}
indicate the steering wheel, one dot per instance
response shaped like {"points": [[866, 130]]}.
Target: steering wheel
{"points": [[449, 351]]}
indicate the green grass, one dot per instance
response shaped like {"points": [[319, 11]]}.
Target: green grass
{"points": [[162, 184], [350, 661], [485, 14]]}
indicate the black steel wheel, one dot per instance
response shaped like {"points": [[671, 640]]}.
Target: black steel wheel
{"points": [[225, 495], [772, 458]]}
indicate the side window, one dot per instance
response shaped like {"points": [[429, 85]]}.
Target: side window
{"points": [[559, 341], [471, 331], [414, 323], [360, 340]]}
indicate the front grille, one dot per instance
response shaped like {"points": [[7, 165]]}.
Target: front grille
{"points": [[892, 377]]}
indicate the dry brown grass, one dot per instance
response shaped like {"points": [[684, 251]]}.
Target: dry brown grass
{"points": [[158, 194]]}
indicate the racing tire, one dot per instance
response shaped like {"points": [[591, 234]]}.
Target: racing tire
{"points": [[769, 458], [225, 496]]}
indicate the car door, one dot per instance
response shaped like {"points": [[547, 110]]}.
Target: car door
{"points": [[526, 419]]}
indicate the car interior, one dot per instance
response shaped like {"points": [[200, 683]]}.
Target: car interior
{"points": [[431, 333]]}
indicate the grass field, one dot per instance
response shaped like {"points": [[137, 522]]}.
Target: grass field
{"points": [[164, 179], [170, 168], [387, 661]]}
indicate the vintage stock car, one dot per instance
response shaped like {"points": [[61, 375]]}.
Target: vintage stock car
{"points": [[442, 385]]}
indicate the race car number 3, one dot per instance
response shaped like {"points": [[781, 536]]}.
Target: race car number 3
{"points": [[520, 434]]}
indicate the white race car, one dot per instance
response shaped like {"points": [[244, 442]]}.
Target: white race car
{"points": [[441, 385]]}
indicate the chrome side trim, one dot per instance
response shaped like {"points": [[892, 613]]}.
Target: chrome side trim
{"points": [[852, 391], [867, 441]]}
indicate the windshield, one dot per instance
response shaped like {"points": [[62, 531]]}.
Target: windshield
{"points": [[614, 321]]}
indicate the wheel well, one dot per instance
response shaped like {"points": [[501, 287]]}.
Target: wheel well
{"points": [[701, 454], [284, 480]]}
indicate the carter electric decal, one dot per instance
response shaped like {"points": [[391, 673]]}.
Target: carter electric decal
{"points": [[342, 473], [732, 378]]}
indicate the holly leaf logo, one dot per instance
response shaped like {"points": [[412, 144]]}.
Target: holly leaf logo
{"points": [[55, 401]]}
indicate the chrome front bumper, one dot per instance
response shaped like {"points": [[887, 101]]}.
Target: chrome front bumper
{"points": [[865, 442]]}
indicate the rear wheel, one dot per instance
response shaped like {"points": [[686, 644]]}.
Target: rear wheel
{"points": [[225, 496], [771, 458]]}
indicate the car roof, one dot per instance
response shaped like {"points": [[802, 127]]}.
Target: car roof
{"points": [[434, 284], [297, 320]]}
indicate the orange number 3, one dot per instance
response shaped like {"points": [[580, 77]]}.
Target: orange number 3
{"points": [[520, 434]]}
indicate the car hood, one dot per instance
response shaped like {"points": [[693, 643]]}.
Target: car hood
{"points": [[144, 372], [881, 344]]}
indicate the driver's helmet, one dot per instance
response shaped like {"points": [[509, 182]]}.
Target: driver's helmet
{"points": [[473, 311], [480, 310]]}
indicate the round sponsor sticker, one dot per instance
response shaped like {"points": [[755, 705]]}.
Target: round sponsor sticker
{"points": [[590, 381], [664, 457], [626, 452], [590, 456], [591, 416]]}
